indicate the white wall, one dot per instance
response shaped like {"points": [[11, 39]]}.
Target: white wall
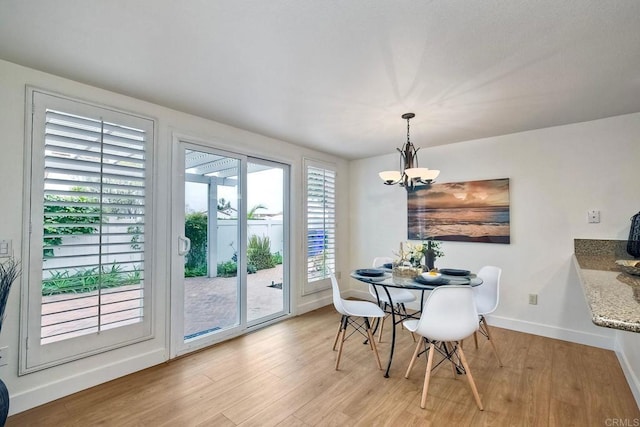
{"points": [[556, 175], [39, 387]]}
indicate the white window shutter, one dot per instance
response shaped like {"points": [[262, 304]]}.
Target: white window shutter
{"points": [[90, 215], [321, 222]]}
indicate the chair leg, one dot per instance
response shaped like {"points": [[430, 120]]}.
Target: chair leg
{"points": [[413, 359], [472, 383], [372, 343], [343, 326], [475, 338], [495, 350], [427, 376], [381, 328], [335, 342]]}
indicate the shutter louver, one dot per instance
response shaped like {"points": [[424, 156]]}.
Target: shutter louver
{"points": [[321, 223], [94, 226]]}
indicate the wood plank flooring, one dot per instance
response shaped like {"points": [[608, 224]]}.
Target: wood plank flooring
{"points": [[284, 375]]}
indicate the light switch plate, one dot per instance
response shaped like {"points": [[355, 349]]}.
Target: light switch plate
{"points": [[5, 248], [593, 216]]}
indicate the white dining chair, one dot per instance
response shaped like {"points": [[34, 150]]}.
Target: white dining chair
{"points": [[449, 316], [355, 314], [487, 297], [400, 297]]}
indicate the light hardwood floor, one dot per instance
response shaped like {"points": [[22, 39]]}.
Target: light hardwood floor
{"points": [[284, 375]]}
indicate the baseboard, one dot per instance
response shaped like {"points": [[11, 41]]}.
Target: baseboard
{"points": [[628, 371], [571, 335], [55, 390], [313, 305]]}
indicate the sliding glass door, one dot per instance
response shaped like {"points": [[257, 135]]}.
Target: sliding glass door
{"points": [[230, 266], [267, 235]]}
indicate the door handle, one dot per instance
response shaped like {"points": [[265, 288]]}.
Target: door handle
{"points": [[184, 245]]}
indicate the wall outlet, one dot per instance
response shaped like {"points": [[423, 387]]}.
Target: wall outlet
{"points": [[4, 354], [533, 299], [593, 216]]}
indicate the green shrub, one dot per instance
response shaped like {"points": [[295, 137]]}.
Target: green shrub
{"points": [[277, 258], [251, 269], [259, 252], [195, 228], [230, 269], [75, 223], [195, 272], [227, 269], [87, 280]]}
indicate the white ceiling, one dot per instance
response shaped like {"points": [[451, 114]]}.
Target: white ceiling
{"points": [[336, 75]]}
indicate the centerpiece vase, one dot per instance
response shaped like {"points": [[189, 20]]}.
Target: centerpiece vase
{"points": [[429, 260]]}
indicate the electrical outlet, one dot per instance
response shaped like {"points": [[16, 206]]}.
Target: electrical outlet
{"points": [[4, 351], [593, 216], [533, 299]]}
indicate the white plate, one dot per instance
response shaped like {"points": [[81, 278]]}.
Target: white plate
{"points": [[372, 279]]}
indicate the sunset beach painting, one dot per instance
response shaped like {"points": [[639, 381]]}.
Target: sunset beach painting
{"points": [[471, 211]]}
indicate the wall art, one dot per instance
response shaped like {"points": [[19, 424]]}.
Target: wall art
{"points": [[471, 211]]}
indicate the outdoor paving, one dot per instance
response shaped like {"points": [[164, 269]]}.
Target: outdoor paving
{"points": [[210, 304]]}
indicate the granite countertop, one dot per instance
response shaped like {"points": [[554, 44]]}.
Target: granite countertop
{"points": [[612, 295]]}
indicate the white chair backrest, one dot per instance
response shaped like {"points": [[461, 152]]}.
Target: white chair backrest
{"points": [[381, 260], [449, 314], [337, 298], [488, 293], [378, 262]]}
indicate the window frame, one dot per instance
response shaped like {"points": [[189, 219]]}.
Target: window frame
{"points": [[35, 356]]}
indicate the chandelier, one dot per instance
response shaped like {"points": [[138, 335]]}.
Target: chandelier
{"points": [[409, 174]]}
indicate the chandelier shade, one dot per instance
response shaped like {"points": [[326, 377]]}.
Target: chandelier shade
{"points": [[410, 174]]}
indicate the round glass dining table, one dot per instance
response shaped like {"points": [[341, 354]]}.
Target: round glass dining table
{"points": [[383, 282]]}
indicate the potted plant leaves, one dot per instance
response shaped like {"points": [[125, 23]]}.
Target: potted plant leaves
{"points": [[9, 272]]}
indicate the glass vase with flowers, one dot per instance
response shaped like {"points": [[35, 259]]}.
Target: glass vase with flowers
{"points": [[404, 267], [424, 254], [432, 251]]}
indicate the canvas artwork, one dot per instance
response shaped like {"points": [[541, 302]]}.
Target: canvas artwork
{"points": [[471, 211]]}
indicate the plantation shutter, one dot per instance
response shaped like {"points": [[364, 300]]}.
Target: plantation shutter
{"points": [[321, 222], [89, 217], [94, 206]]}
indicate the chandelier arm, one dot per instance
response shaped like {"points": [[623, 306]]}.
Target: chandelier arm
{"points": [[422, 181], [409, 160], [402, 161]]}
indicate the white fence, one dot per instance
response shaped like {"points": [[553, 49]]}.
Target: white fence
{"points": [[228, 234], [79, 251]]}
